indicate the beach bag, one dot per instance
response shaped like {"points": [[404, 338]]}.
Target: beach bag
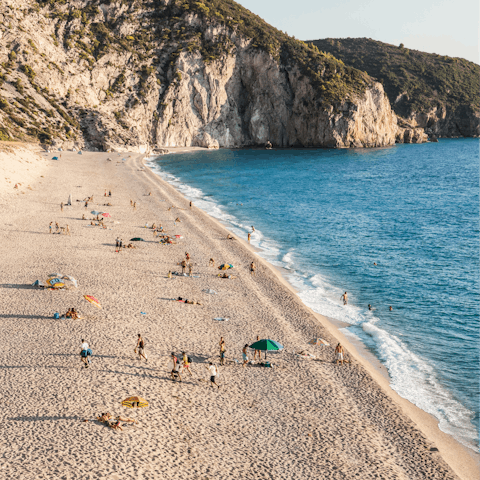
{"points": [[56, 315], [189, 359], [89, 352]]}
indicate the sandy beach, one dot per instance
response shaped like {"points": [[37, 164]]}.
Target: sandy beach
{"points": [[301, 419]]}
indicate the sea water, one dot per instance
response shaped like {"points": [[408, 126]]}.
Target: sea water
{"points": [[328, 215]]}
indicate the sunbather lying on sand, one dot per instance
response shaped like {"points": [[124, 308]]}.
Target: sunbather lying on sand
{"points": [[225, 275], [190, 302], [114, 422], [131, 245]]}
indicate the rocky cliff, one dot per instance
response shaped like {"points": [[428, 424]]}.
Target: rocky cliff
{"points": [[433, 92], [141, 75]]}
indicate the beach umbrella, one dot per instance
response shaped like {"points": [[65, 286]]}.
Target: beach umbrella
{"points": [[93, 300], [266, 345], [38, 283], [58, 280], [225, 266], [318, 341], [54, 158], [106, 214], [135, 402], [137, 239], [94, 212]]}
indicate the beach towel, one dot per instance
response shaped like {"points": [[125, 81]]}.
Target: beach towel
{"points": [[221, 319]]}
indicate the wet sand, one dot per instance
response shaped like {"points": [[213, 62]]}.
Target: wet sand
{"points": [[302, 419]]}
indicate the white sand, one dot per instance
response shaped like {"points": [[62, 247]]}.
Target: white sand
{"points": [[302, 419]]}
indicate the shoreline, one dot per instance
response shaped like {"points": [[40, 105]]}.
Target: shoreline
{"points": [[304, 419], [461, 458]]}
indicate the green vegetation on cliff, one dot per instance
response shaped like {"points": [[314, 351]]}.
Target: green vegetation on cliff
{"points": [[414, 81]]}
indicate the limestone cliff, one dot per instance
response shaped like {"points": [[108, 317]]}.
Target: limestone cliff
{"points": [[142, 75], [434, 92]]}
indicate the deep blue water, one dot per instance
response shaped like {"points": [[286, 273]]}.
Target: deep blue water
{"points": [[328, 215]]}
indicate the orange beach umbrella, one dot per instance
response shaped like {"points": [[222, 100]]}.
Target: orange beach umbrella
{"points": [[92, 299]]}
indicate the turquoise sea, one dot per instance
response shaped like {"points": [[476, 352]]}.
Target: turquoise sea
{"points": [[328, 215]]}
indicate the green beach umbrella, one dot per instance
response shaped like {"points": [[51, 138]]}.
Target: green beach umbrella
{"points": [[266, 344]]}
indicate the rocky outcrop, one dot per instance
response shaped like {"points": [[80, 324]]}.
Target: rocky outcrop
{"points": [[409, 133], [462, 121]]}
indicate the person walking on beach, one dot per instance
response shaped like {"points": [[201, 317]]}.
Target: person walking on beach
{"points": [[57, 227], [134, 205], [190, 270], [191, 204], [109, 193], [339, 354], [85, 353], [175, 373], [68, 230], [249, 237], [257, 351], [50, 227], [245, 355], [186, 364], [213, 369], [344, 297], [183, 264], [223, 349], [61, 206], [140, 348], [252, 269]]}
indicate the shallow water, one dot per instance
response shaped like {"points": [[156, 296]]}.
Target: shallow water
{"points": [[328, 215]]}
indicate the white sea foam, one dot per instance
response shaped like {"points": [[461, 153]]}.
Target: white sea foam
{"points": [[412, 376]]}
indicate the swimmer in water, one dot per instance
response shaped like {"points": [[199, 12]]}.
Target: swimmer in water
{"points": [[369, 307], [375, 263], [391, 308]]}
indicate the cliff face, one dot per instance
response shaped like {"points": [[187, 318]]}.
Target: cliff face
{"points": [[248, 99], [110, 77], [433, 92]]}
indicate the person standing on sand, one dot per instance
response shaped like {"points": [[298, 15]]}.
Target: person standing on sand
{"points": [[57, 227], [245, 355], [109, 193], [211, 263], [344, 297], [68, 230], [61, 206], [190, 270], [105, 194], [134, 205], [257, 351], [213, 374], [191, 204], [339, 354], [183, 264], [131, 202], [176, 368], [85, 352], [249, 237], [252, 269], [141, 348], [50, 227], [223, 349], [186, 364]]}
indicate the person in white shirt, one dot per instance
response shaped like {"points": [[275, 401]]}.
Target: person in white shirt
{"points": [[85, 353], [213, 374]]}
